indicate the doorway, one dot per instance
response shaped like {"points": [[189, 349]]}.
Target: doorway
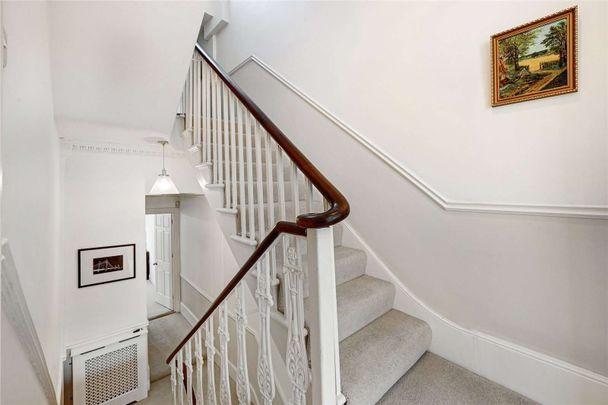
{"points": [[162, 271]]}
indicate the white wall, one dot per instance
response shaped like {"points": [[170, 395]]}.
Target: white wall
{"points": [[105, 205], [206, 261], [122, 63], [414, 78], [31, 182], [540, 282]]}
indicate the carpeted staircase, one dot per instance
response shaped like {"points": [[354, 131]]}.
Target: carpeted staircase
{"points": [[383, 351]]}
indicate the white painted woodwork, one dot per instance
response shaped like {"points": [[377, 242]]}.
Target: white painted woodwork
{"points": [[249, 168], [209, 344], [325, 354], [163, 267], [250, 180], [189, 369], [242, 379], [224, 337]]}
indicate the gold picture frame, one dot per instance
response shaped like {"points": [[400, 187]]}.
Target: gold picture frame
{"points": [[535, 60]]}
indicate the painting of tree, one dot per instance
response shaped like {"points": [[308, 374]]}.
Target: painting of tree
{"points": [[533, 60], [557, 41]]}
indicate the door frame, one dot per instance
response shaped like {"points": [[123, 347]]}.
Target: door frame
{"points": [[175, 248]]}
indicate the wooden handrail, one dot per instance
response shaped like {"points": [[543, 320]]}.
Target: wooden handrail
{"points": [[279, 228], [338, 205]]}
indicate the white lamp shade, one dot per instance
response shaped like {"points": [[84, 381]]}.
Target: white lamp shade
{"points": [[163, 185]]}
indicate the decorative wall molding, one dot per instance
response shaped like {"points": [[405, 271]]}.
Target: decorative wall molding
{"points": [[18, 314], [573, 211], [117, 148], [539, 376]]}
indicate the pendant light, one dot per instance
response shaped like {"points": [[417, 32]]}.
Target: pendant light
{"points": [[163, 183]]}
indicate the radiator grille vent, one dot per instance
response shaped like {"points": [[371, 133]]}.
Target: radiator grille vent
{"points": [[111, 375]]}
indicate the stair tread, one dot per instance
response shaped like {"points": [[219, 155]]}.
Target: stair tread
{"points": [[435, 380], [373, 359], [361, 301], [350, 263]]}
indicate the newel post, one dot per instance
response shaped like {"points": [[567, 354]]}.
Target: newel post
{"points": [[324, 350]]}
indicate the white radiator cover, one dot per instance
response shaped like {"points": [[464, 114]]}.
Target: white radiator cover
{"points": [[113, 374]]}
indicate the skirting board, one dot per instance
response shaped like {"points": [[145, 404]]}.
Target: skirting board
{"points": [[573, 211], [533, 374]]}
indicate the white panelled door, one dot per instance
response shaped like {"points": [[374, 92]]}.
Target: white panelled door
{"points": [[164, 259]]}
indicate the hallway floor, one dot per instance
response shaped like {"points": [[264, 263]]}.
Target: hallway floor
{"points": [[155, 309], [164, 334]]}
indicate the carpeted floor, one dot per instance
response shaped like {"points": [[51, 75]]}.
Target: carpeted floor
{"points": [[434, 380], [154, 308], [164, 334]]}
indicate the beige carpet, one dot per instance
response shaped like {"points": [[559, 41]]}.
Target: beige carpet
{"points": [[164, 334], [160, 391], [434, 380], [154, 308]]}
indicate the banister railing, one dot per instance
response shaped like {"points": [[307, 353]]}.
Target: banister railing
{"points": [[339, 207], [274, 190]]}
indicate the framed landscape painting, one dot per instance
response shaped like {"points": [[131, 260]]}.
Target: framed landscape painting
{"points": [[535, 60], [105, 264]]}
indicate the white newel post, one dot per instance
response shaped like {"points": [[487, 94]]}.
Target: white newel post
{"points": [[324, 353]]}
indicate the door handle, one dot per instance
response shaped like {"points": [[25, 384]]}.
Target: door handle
{"points": [[155, 264]]}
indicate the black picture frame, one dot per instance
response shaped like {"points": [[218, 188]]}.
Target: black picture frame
{"points": [[132, 246]]}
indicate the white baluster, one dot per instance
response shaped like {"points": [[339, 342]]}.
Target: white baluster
{"points": [[220, 153], [296, 358], [233, 158], [197, 99], [270, 196], [260, 179], [265, 302], [210, 345], [199, 106], [241, 138], [174, 381], [207, 98], [295, 190], [189, 103], [198, 354], [224, 339], [281, 183], [242, 379], [216, 149], [180, 373], [250, 180], [309, 194], [226, 130], [202, 113], [188, 352]]}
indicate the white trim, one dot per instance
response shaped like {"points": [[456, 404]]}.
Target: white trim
{"points": [[18, 314], [105, 339], [536, 375], [188, 314], [116, 148], [576, 211]]}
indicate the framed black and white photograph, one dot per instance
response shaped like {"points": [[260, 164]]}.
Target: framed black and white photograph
{"points": [[107, 264]]}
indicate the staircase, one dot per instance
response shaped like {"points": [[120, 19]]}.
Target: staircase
{"points": [[322, 321]]}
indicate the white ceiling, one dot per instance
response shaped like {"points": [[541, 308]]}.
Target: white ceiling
{"points": [[121, 64]]}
